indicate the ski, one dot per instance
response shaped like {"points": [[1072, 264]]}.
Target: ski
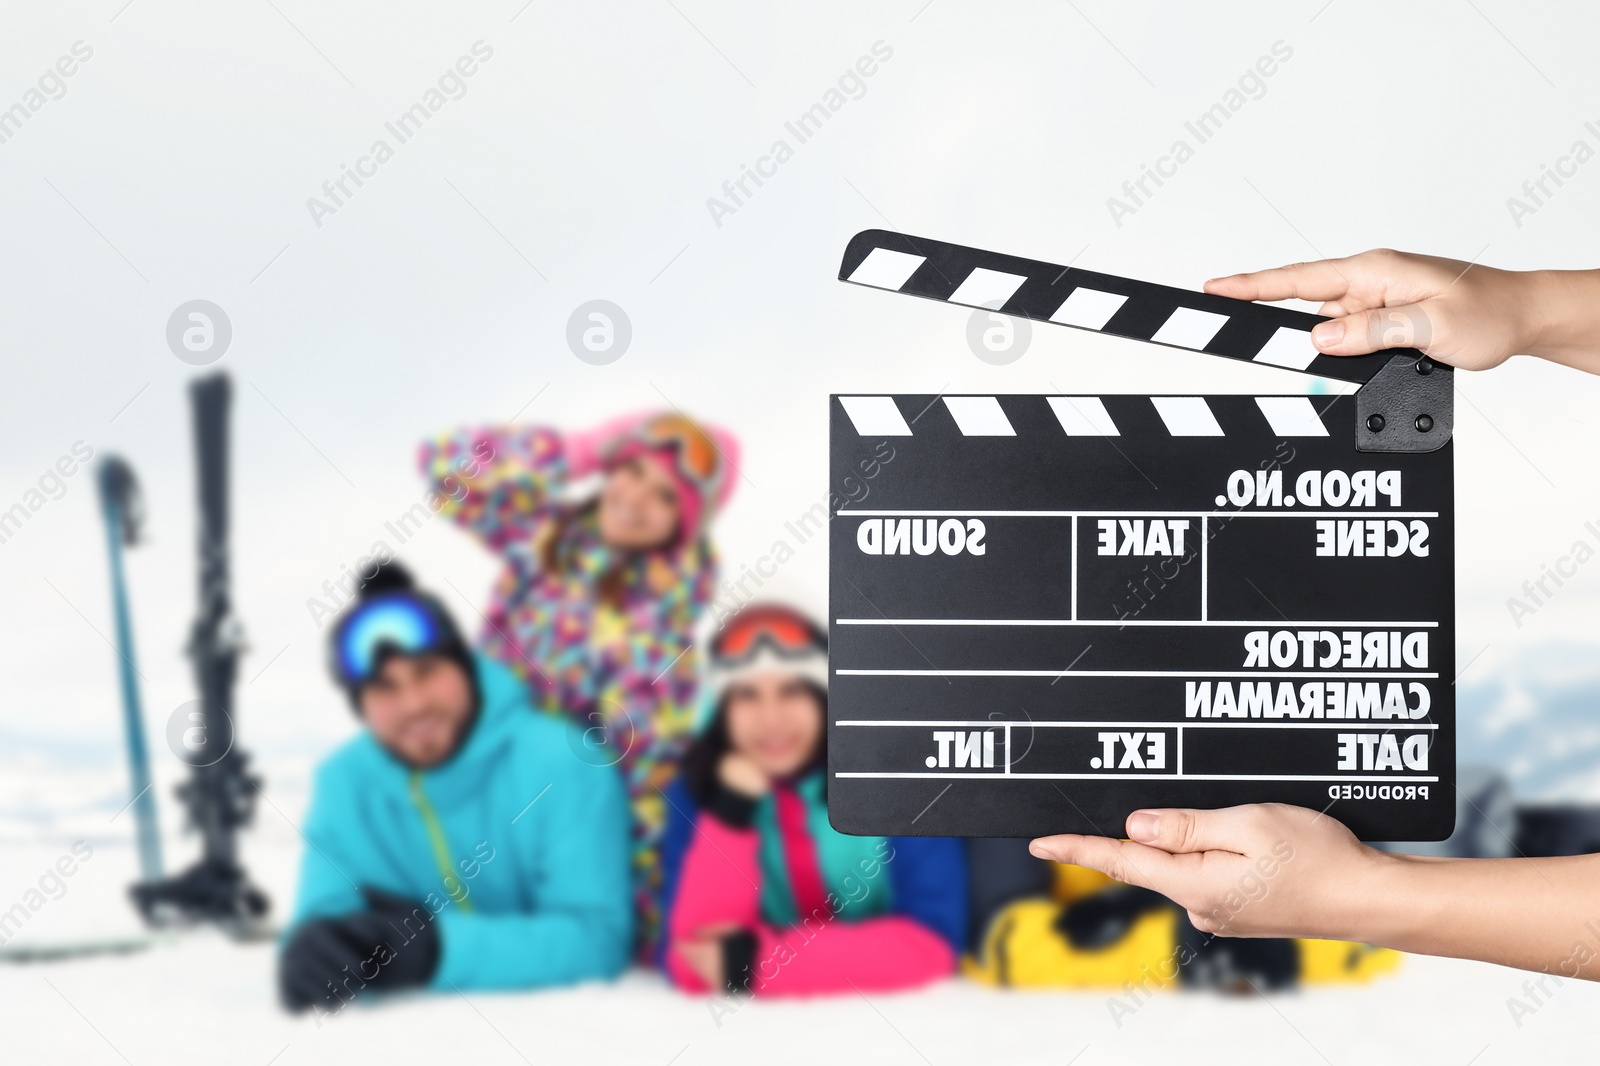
{"points": [[220, 794], [123, 509]]}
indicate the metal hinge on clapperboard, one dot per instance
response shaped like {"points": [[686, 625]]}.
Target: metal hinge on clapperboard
{"points": [[1405, 403]]}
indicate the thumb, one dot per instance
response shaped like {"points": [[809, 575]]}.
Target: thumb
{"points": [[1179, 830], [1401, 326]]}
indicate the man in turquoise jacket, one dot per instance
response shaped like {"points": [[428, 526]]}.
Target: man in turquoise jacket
{"points": [[462, 840]]}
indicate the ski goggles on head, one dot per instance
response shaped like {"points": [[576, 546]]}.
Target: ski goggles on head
{"points": [[393, 624], [693, 448], [761, 640], [785, 632]]}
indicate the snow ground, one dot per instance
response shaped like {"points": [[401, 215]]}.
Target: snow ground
{"points": [[208, 1001], [201, 999]]}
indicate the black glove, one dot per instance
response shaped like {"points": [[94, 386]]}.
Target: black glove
{"points": [[1237, 965], [393, 944], [1204, 960], [731, 807], [1098, 921], [738, 960]]}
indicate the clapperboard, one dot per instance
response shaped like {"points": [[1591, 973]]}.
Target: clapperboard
{"points": [[1051, 611]]}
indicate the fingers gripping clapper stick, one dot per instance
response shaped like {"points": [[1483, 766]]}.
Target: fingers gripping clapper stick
{"points": [[1406, 403], [1050, 611]]}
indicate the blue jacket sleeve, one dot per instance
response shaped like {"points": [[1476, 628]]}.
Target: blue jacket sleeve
{"points": [[929, 880], [329, 861], [581, 924]]}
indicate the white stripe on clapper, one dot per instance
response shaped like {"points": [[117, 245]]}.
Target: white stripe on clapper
{"points": [[987, 288], [885, 269], [1291, 416], [1083, 416], [979, 416], [1190, 328], [875, 416], [1088, 308], [1288, 347], [1187, 416]]}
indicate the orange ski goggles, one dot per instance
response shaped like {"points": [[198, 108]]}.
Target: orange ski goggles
{"points": [[786, 632], [696, 453]]}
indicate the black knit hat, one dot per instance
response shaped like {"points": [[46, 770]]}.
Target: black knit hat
{"points": [[392, 582]]}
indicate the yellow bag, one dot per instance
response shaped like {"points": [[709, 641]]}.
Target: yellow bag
{"points": [[1022, 948]]}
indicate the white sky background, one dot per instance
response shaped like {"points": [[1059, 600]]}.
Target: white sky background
{"points": [[185, 149]]}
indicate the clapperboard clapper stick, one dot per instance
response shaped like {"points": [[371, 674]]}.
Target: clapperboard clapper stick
{"points": [[1049, 611]]}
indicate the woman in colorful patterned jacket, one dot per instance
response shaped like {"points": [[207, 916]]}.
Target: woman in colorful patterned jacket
{"points": [[762, 894], [603, 588]]}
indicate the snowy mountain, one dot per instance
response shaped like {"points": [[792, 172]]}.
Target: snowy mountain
{"points": [[1537, 720]]}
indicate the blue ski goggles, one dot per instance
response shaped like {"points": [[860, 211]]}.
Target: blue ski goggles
{"points": [[391, 624]]}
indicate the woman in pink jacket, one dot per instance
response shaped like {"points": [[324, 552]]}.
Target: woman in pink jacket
{"points": [[608, 569], [761, 893]]}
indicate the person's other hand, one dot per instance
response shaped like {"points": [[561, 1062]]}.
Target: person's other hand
{"points": [[328, 960], [703, 955], [742, 775], [1259, 870], [1470, 316]]}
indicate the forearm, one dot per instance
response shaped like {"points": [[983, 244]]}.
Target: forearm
{"points": [[1562, 310], [325, 889], [878, 954], [720, 882], [1534, 914], [555, 947], [498, 482]]}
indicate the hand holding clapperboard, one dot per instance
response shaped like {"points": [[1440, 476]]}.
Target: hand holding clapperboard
{"points": [[1075, 617], [1057, 610]]}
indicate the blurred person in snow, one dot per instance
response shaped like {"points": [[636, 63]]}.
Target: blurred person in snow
{"points": [[762, 894], [458, 841], [603, 587]]}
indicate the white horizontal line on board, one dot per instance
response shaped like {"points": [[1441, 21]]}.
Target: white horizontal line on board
{"points": [[1139, 777], [1285, 513], [1213, 622], [1400, 675], [1185, 724]]}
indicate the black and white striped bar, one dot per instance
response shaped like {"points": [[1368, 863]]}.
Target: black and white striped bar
{"points": [[1086, 416], [1103, 303]]}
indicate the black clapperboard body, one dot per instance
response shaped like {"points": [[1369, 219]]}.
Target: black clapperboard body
{"points": [[1050, 611]]}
